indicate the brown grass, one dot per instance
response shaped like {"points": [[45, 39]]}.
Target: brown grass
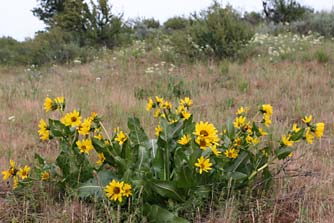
{"points": [[303, 192]]}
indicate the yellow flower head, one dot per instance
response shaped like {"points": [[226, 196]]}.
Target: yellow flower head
{"points": [[231, 153], [206, 131], [72, 119], [266, 120], [286, 141], [150, 104], [319, 129], [180, 109], [185, 139], [267, 109], [215, 151], [157, 113], [49, 105], [121, 137], [242, 110], [307, 119], [203, 164], [185, 115], [239, 122], [237, 142], [295, 128], [15, 182], [45, 175], [309, 136], [10, 172], [166, 105], [101, 159], [186, 102], [262, 132], [114, 190], [60, 103], [127, 190], [159, 100], [23, 172], [85, 126], [85, 146], [158, 130], [44, 133]]}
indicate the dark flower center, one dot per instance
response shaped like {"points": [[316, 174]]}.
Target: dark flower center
{"points": [[116, 190], [203, 133]]}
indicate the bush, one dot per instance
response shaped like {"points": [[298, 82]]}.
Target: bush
{"points": [[176, 23], [217, 32], [320, 22]]}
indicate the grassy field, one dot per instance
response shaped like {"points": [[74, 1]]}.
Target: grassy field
{"points": [[297, 83]]}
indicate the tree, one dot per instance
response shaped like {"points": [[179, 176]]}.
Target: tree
{"points": [[47, 9], [284, 10]]}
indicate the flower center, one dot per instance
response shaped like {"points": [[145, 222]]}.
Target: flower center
{"points": [[203, 133], [73, 119], [202, 143], [116, 190]]}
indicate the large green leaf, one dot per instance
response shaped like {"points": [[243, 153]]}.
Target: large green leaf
{"points": [[166, 189], [297, 135], [156, 214], [95, 186], [230, 128], [137, 134], [283, 152]]}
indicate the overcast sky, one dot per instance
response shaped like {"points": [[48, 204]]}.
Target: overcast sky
{"points": [[16, 19]]}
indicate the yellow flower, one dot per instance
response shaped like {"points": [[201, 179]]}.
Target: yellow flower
{"points": [[150, 104], [98, 136], [15, 182], [127, 190], [158, 130], [251, 140], [44, 133], [45, 175], [215, 151], [23, 172], [185, 115], [319, 129], [267, 109], [180, 109], [85, 146], [166, 105], [159, 100], [157, 113], [266, 120], [185, 139], [121, 137], [93, 116], [114, 190], [307, 119], [231, 153], [242, 110], [262, 132], [187, 102], [10, 172], [239, 122], [237, 142], [49, 105], [309, 136], [295, 128], [286, 141], [60, 103], [203, 164], [84, 127], [72, 119], [102, 158], [206, 134]]}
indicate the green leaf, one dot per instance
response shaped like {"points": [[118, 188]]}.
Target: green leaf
{"points": [[57, 128], [230, 128], [297, 135], [238, 176], [137, 134], [283, 152], [95, 186], [241, 158], [166, 189], [39, 159], [156, 214], [63, 161]]}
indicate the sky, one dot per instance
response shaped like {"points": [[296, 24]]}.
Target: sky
{"points": [[17, 20]]}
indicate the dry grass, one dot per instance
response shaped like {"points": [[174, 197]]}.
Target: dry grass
{"points": [[109, 86]]}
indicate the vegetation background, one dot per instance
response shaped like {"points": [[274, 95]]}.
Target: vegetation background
{"points": [[220, 58]]}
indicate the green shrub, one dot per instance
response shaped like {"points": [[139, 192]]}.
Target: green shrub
{"points": [[176, 23], [321, 56]]}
